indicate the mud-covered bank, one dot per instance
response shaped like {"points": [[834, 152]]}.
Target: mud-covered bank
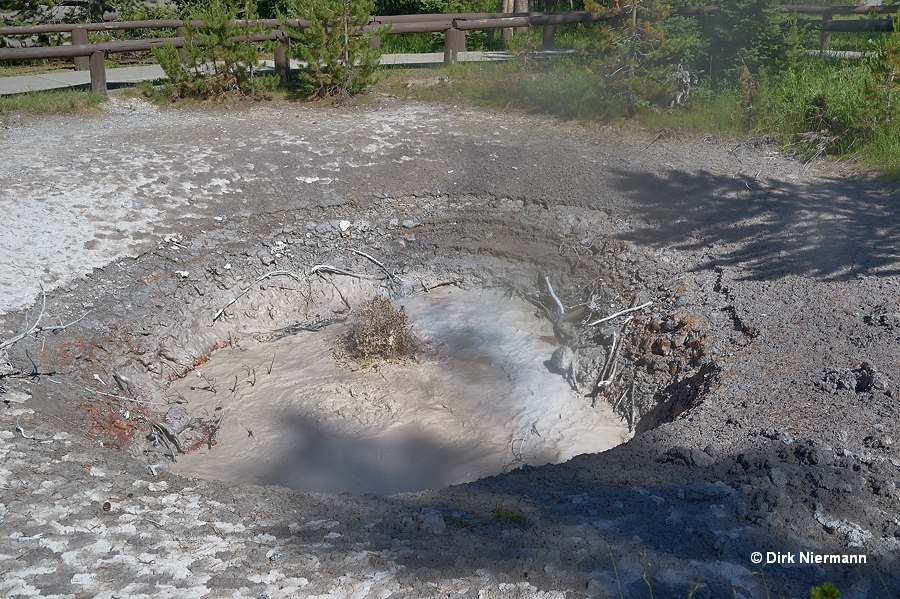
{"points": [[785, 414]]}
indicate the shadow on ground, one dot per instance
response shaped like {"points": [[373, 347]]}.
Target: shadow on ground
{"points": [[828, 229]]}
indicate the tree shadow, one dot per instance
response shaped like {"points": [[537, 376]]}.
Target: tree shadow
{"points": [[624, 538], [830, 229]]}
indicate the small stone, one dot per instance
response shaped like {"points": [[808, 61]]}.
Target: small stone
{"points": [[266, 258], [411, 224], [344, 225], [13, 396], [562, 358]]}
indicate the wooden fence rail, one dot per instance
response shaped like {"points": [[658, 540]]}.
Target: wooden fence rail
{"points": [[92, 56], [454, 26]]}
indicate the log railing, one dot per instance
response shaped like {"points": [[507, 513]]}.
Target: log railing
{"points": [[454, 26], [92, 56]]}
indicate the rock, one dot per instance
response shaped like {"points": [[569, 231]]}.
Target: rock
{"points": [[432, 522], [266, 258], [176, 419], [12, 396], [562, 359]]}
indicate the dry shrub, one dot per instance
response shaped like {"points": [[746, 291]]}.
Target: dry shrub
{"points": [[381, 332]]}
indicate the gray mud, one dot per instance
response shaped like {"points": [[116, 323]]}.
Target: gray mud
{"points": [[763, 376]]}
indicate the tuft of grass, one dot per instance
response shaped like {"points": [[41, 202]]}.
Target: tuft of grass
{"points": [[508, 516], [47, 102], [824, 591], [500, 515]]}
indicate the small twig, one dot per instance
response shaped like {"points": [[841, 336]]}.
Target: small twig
{"points": [[61, 327], [274, 273], [655, 139], [319, 268], [122, 397], [22, 430], [166, 436], [336, 288], [251, 371], [392, 276], [617, 314], [615, 404], [444, 284], [606, 378], [234, 387], [34, 327], [631, 422], [271, 365], [211, 386]]}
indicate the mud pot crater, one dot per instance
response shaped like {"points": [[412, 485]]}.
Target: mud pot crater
{"points": [[258, 391], [201, 267]]}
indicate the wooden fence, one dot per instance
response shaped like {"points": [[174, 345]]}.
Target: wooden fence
{"points": [[92, 57]]}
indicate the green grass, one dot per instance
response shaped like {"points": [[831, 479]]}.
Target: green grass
{"points": [[500, 515], [62, 101], [817, 108]]}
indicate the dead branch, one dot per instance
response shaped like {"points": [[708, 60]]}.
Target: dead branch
{"points": [[562, 311], [621, 313], [427, 288], [608, 374], [391, 275], [62, 327], [274, 273], [561, 334], [167, 436], [22, 430], [658, 135], [327, 268], [144, 402], [34, 327]]}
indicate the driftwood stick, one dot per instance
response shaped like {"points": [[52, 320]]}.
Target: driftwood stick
{"points": [[274, 273], [621, 313]]}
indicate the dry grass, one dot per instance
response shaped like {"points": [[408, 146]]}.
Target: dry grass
{"points": [[380, 333]]}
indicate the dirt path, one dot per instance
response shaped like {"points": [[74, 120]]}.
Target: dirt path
{"points": [[771, 343]]}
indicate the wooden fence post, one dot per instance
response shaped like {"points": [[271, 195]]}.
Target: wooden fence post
{"points": [[179, 32], [282, 56], [825, 36], [97, 62], [454, 43], [80, 38], [548, 41]]}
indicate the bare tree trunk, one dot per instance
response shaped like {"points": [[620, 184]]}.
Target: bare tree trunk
{"points": [[507, 8], [522, 6]]}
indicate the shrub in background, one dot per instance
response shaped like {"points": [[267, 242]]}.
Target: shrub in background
{"points": [[337, 59], [214, 61]]}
